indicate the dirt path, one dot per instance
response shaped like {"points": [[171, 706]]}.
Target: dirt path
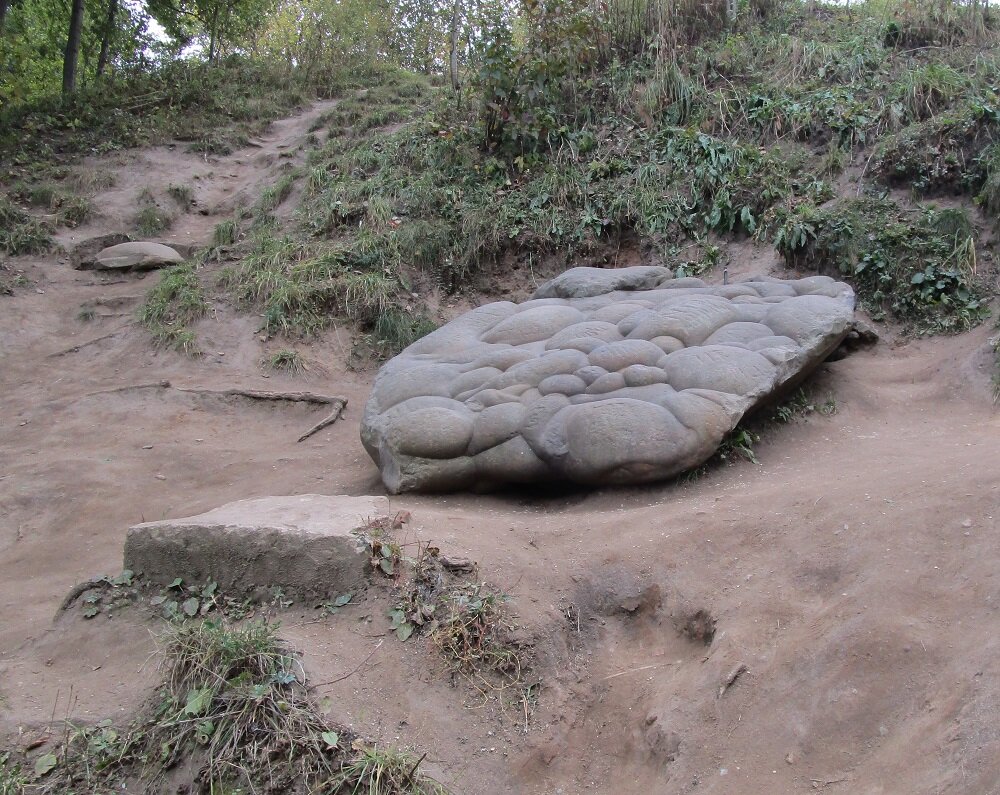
{"points": [[852, 575], [218, 184]]}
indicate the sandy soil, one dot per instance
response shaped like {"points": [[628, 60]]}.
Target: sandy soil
{"points": [[852, 574]]}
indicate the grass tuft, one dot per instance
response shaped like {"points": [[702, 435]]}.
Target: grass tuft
{"points": [[21, 233], [289, 361], [151, 220], [238, 696], [376, 771], [176, 300], [183, 195]]}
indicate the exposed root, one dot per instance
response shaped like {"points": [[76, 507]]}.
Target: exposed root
{"points": [[79, 590], [339, 403], [329, 420], [93, 341]]}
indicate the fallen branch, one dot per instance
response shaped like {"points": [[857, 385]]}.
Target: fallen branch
{"points": [[130, 388]]}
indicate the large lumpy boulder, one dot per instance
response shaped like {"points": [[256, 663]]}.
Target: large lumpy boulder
{"points": [[613, 377], [133, 256]]}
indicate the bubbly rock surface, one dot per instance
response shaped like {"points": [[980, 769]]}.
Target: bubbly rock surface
{"points": [[604, 377]]}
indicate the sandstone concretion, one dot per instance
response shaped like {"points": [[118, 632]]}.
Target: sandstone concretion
{"points": [[604, 377], [134, 256]]}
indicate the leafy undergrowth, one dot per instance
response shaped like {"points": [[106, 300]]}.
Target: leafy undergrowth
{"points": [[467, 621], [727, 133], [233, 713], [918, 265]]}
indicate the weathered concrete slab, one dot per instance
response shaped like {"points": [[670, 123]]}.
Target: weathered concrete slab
{"points": [[302, 544]]}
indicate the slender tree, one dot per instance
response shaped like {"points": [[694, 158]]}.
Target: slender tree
{"points": [[72, 53], [109, 27], [453, 54]]}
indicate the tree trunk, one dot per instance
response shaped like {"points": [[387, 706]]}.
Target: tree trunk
{"points": [[4, 5], [109, 27], [72, 54], [453, 56], [214, 33]]}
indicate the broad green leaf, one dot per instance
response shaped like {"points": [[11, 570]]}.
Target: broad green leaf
{"points": [[198, 701], [403, 631], [190, 607], [45, 764]]}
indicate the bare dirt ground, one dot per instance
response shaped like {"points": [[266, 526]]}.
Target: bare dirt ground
{"points": [[853, 574]]}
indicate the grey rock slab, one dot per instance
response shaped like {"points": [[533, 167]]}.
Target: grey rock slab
{"points": [[303, 544], [136, 256], [603, 377]]}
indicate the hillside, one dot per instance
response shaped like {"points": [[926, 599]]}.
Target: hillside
{"points": [[813, 611]]}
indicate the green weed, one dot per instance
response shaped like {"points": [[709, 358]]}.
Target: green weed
{"points": [[376, 771], [800, 404], [226, 233], [290, 361], [152, 220], [183, 195], [272, 197], [74, 210], [396, 329], [21, 233], [239, 694], [11, 280], [13, 779], [176, 300], [473, 631]]}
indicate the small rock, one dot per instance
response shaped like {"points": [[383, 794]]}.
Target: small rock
{"points": [[161, 477], [967, 523], [147, 447], [457, 564]]}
